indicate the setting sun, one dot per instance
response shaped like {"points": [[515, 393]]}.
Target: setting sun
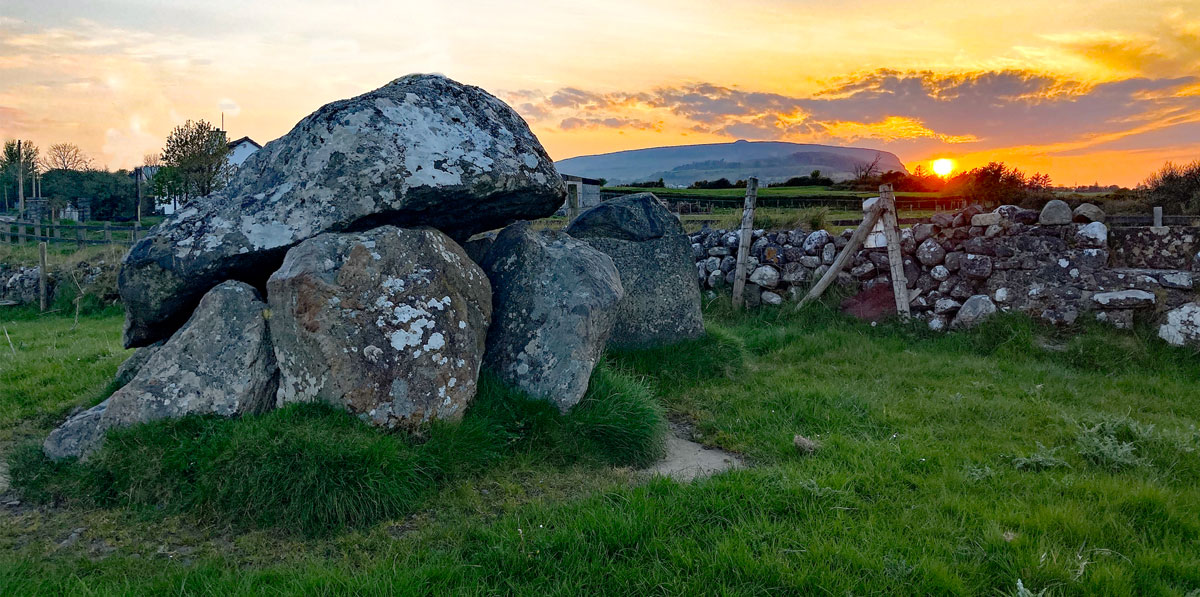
{"points": [[943, 167]]}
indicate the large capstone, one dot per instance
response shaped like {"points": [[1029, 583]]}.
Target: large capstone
{"points": [[554, 302], [219, 363], [388, 324], [654, 257], [422, 150]]}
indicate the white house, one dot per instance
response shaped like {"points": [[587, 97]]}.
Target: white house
{"points": [[241, 149]]}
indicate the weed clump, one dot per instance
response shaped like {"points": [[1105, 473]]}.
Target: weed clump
{"points": [[1043, 459]]}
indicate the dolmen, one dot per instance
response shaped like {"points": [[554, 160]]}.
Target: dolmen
{"points": [[332, 269]]}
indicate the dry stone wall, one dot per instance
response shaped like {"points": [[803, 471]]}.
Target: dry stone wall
{"points": [[1056, 265]]}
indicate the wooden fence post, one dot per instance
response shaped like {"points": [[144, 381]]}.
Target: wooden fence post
{"points": [[37, 231], [856, 241], [20, 233], [79, 232], [895, 255], [1158, 217], [42, 276], [743, 254], [133, 234], [108, 232]]}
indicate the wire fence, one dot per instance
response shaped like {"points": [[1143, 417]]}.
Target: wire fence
{"points": [[81, 235]]}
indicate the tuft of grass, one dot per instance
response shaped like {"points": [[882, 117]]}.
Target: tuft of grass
{"points": [[1041, 460], [813, 218], [316, 470]]}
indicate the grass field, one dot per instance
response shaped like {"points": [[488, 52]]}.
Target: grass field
{"points": [[964, 464]]}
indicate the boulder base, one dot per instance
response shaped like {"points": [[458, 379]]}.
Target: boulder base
{"points": [[662, 299], [554, 301], [388, 324], [219, 363]]}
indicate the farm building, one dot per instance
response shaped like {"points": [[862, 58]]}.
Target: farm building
{"points": [[585, 190], [241, 149]]}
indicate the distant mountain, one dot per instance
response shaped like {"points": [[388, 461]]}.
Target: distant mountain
{"points": [[770, 161]]}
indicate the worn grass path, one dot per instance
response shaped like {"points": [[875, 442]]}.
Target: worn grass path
{"points": [[959, 464]]}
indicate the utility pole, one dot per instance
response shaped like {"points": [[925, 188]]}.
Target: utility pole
{"points": [[137, 180], [20, 181]]}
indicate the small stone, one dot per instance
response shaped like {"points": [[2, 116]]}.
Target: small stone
{"points": [[1124, 299], [930, 253], [973, 311], [1122, 319], [765, 276], [939, 273], [985, 220], [921, 232], [946, 306], [864, 271], [937, 323], [1182, 327], [805, 445], [828, 254], [719, 252], [978, 267], [716, 280], [954, 260], [770, 298], [1177, 280], [810, 261], [1088, 212], [1092, 236], [816, 242], [1055, 213]]}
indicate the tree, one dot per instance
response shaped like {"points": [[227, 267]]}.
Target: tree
{"points": [[66, 156], [199, 153], [152, 160], [865, 171], [1176, 187], [19, 162]]}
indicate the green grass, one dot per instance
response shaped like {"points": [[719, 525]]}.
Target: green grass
{"points": [[924, 482], [315, 470]]}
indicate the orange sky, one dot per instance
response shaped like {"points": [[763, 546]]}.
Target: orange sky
{"points": [[1086, 91]]}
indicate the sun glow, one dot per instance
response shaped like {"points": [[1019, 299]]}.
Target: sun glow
{"points": [[943, 167]]}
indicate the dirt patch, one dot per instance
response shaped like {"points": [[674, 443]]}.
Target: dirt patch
{"points": [[687, 460]]}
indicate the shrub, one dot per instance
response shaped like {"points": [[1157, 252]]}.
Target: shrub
{"points": [[1176, 187], [813, 218]]}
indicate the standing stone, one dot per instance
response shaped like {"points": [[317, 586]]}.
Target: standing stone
{"points": [[647, 244], [1055, 213], [219, 363], [421, 150], [388, 324], [554, 302]]}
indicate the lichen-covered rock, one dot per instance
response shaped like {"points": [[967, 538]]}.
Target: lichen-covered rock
{"points": [[219, 363], [554, 302], [421, 150], [977, 267], [930, 253], [1182, 327], [973, 311], [134, 363], [1055, 213], [814, 243], [770, 298], [765, 276], [388, 324], [662, 300]]}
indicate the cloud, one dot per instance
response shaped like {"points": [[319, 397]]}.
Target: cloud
{"points": [[611, 122], [229, 107]]}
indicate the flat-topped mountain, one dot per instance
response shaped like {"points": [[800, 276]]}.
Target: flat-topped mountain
{"points": [[770, 161]]}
